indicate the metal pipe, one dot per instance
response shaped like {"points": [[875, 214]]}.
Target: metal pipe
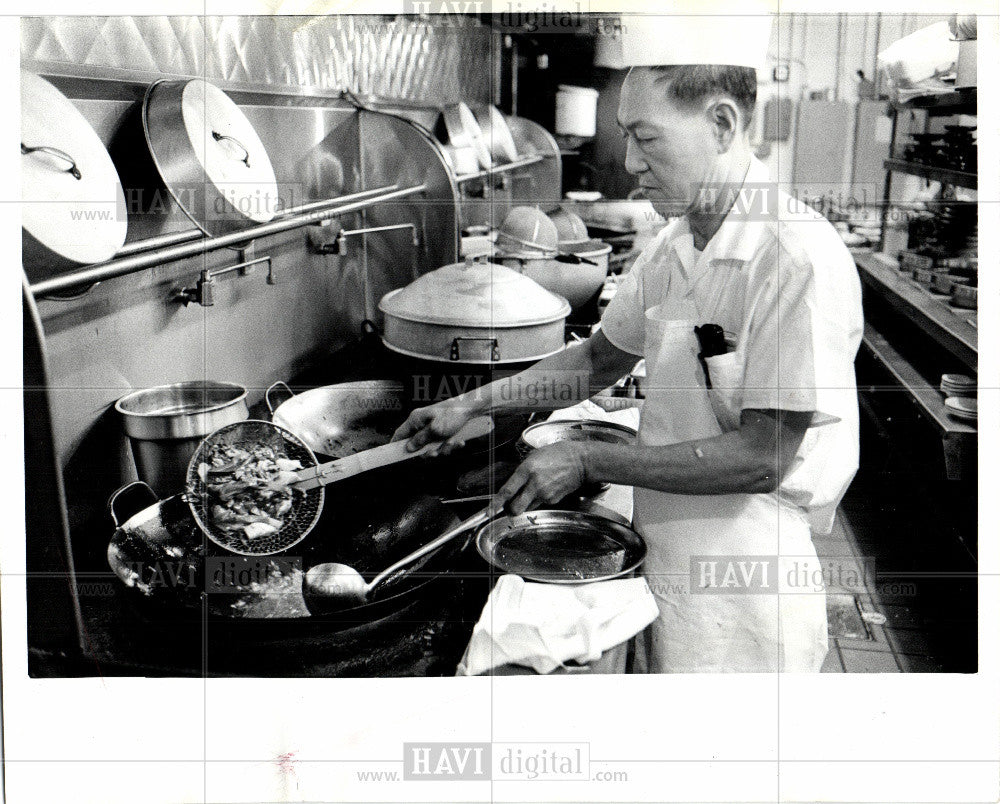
{"points": [[186, 236], [138, 262], [499, 169], [373, 229]]}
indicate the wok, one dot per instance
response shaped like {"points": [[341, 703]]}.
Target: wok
{"points": [[159, 553], [338, 420], [335, 421]]}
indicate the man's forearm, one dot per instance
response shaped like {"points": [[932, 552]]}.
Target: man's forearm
{"points": [[722, 464]]}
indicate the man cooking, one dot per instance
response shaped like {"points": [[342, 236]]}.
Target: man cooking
{"points": [[742, 454]]}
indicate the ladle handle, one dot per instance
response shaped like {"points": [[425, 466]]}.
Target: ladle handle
{"points": [[472, 522], [388, 454]]}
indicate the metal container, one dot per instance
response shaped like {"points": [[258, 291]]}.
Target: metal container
{"points": [[165, 424], [555, 430], [577, 283], [474, 312], [966, 296]]}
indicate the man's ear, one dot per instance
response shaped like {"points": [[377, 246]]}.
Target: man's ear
{"points": [[724, 118]]}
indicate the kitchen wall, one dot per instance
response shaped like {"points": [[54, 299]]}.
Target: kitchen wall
{"points": [[285, 73]]}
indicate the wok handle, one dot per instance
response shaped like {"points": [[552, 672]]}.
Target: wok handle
{"points": [[394, 452], [469, 524], [267, 394]]}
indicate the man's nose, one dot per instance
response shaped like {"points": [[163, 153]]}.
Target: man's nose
{"points": [[634, 163]]}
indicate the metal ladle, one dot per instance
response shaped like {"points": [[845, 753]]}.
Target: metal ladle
{"points": [[344, 586]]}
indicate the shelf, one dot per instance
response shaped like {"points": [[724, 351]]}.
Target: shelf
{"points": [[944, 325], [958, 101], [496, 170], [956, 436], [945, 175]]}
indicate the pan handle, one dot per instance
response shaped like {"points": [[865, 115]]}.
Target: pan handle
{"points": [[120, 511], [267, 395], [469, 524]]}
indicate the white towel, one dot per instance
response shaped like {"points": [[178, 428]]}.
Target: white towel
{"points": [[543, 626]]}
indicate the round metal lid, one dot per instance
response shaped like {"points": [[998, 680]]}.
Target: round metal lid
{"points": [[478, 294], [209, 156], [72, 204]]}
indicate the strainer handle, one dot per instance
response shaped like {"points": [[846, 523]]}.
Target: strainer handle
{"points": [[393, 452]]}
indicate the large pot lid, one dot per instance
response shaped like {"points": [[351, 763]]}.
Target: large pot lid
{"points": [[72, 204], [209, 156], [496, 135], [475, 294]]}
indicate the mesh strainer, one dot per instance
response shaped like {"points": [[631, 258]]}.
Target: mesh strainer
{"points": [[306, 505], [307, 490]]}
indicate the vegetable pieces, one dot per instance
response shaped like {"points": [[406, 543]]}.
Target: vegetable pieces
{"points": [[247, 491]]}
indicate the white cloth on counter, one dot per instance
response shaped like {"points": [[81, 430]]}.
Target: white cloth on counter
{"points": [[544, 626]]}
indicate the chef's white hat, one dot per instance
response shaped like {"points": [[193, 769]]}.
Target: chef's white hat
{"points": [[662, 39]]}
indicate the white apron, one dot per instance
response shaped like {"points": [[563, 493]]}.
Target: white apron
{"points": [[718, 631]]}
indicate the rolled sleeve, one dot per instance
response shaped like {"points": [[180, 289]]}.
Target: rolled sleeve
{"points": [[623, 322], [781, 352]]}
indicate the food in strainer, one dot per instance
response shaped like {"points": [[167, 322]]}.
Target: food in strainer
{"points": [[247, 491]]}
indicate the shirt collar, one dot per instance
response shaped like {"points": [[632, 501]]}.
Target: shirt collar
{"points": [[736, 239], [739, 235]]}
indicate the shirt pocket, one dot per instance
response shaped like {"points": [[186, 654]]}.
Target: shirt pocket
{"points": [[726, 393]]}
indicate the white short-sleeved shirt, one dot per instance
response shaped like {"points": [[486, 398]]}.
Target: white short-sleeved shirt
{"points": [[777, 276]]}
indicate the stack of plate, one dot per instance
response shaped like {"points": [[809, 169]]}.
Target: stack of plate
{"points": [[958, 385], [962, 408]]}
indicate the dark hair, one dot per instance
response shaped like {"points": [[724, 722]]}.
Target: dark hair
{"points": [[689, 83]]}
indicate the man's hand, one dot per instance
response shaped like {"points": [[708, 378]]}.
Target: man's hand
{"points": [[547, 475], [435, 423]]}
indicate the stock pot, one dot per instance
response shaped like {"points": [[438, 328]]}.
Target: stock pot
{"points": [[578, 283], [166, 423]]}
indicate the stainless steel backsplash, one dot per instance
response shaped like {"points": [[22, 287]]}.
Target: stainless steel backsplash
{"points": [[404, 58]]}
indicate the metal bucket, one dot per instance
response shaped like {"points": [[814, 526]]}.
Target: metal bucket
{"points": [[165, 424]]}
